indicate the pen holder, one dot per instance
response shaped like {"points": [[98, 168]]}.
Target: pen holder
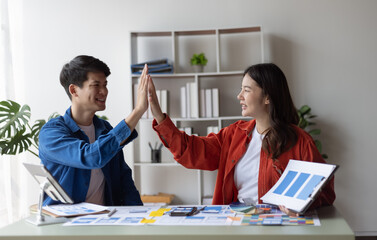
{"points": [[156, 155]]}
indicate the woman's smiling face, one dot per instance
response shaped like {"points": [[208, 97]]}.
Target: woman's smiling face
{"points": [[254, 103]]}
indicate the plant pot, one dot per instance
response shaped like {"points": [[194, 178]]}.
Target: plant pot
{"points": [[198, 68]]}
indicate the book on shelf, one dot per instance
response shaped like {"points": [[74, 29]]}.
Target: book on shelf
{"points": [[215, 102], [183, 102], [154, 66], [164, 102], [152, 62], [202, 103], [194, 104], [188, 100], [208, 100]]}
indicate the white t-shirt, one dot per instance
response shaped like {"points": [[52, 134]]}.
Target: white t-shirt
{"points": [[97, 181], [247, 170]]}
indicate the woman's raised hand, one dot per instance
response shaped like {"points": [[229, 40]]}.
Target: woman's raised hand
{"points": [[153, 102]]}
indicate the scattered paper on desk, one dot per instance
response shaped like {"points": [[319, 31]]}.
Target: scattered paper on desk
{"points": [[104, 220], [79, 209], [140, 215]]}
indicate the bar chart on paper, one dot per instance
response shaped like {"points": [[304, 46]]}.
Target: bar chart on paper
{"points": [[299, 184], [298, 181]]}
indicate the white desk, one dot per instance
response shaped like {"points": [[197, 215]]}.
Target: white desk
{"points": [[333, 226]]}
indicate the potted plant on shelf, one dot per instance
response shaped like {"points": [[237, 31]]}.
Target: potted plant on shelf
{"points": [[198, 61]]}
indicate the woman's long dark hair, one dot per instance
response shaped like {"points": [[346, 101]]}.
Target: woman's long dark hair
{"points": [[281, 136]]}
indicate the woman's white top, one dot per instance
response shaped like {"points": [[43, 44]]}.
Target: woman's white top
{"points": [[247, 170]]}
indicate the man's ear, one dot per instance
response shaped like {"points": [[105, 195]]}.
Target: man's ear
{"points": [[72, 90]]}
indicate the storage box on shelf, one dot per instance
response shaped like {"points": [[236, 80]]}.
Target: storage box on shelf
{"points": [[229, 52]]}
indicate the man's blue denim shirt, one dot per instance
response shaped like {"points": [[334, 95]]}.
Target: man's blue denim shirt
{"points": [[65, 151]]}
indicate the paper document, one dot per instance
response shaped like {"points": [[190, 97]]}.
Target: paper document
{"points": [[299, 184], [137, 215], [71, 210]]}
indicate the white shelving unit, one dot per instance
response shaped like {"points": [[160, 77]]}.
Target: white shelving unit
{"points": [[229, 53]]}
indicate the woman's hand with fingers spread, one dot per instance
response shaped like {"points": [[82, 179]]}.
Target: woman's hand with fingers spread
{"points": [[153, 102]]}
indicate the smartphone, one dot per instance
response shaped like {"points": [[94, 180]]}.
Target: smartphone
{"points": [[183, 211]]}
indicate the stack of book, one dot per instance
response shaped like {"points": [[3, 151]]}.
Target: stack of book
{"points": [[209, 102], [159, 66]]}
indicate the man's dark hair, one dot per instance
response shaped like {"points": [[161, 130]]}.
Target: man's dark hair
{"points": [[76, 71]]}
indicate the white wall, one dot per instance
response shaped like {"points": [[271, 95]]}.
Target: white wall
{"points": [[328, 50]]}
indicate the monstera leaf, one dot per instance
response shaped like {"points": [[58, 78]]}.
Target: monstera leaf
{"points": [[36, 128], [13, 118], [20, 142], [16, 135]]}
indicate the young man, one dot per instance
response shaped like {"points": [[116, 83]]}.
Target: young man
{"points": [[84, 152]]}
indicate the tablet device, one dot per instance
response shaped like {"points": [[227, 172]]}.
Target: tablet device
{"points": [[53, 189]]}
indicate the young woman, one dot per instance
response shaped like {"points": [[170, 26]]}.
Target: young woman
{"points": [[250, 156]]}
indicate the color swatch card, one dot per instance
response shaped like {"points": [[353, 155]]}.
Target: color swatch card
{"points": [[299, 184], [278, 219]]}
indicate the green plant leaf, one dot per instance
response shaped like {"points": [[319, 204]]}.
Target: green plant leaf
{"points": [[36, 129], [53, 115], [19, 143], [318, 145], [12, 117], [314, 132], [304, 117], [304, 110], [303, 123], [199, 59], [103, 117]]}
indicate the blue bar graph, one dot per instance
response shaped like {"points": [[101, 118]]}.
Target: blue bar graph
{"points": [[297, 184], [285, 183], [313, 182]]}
